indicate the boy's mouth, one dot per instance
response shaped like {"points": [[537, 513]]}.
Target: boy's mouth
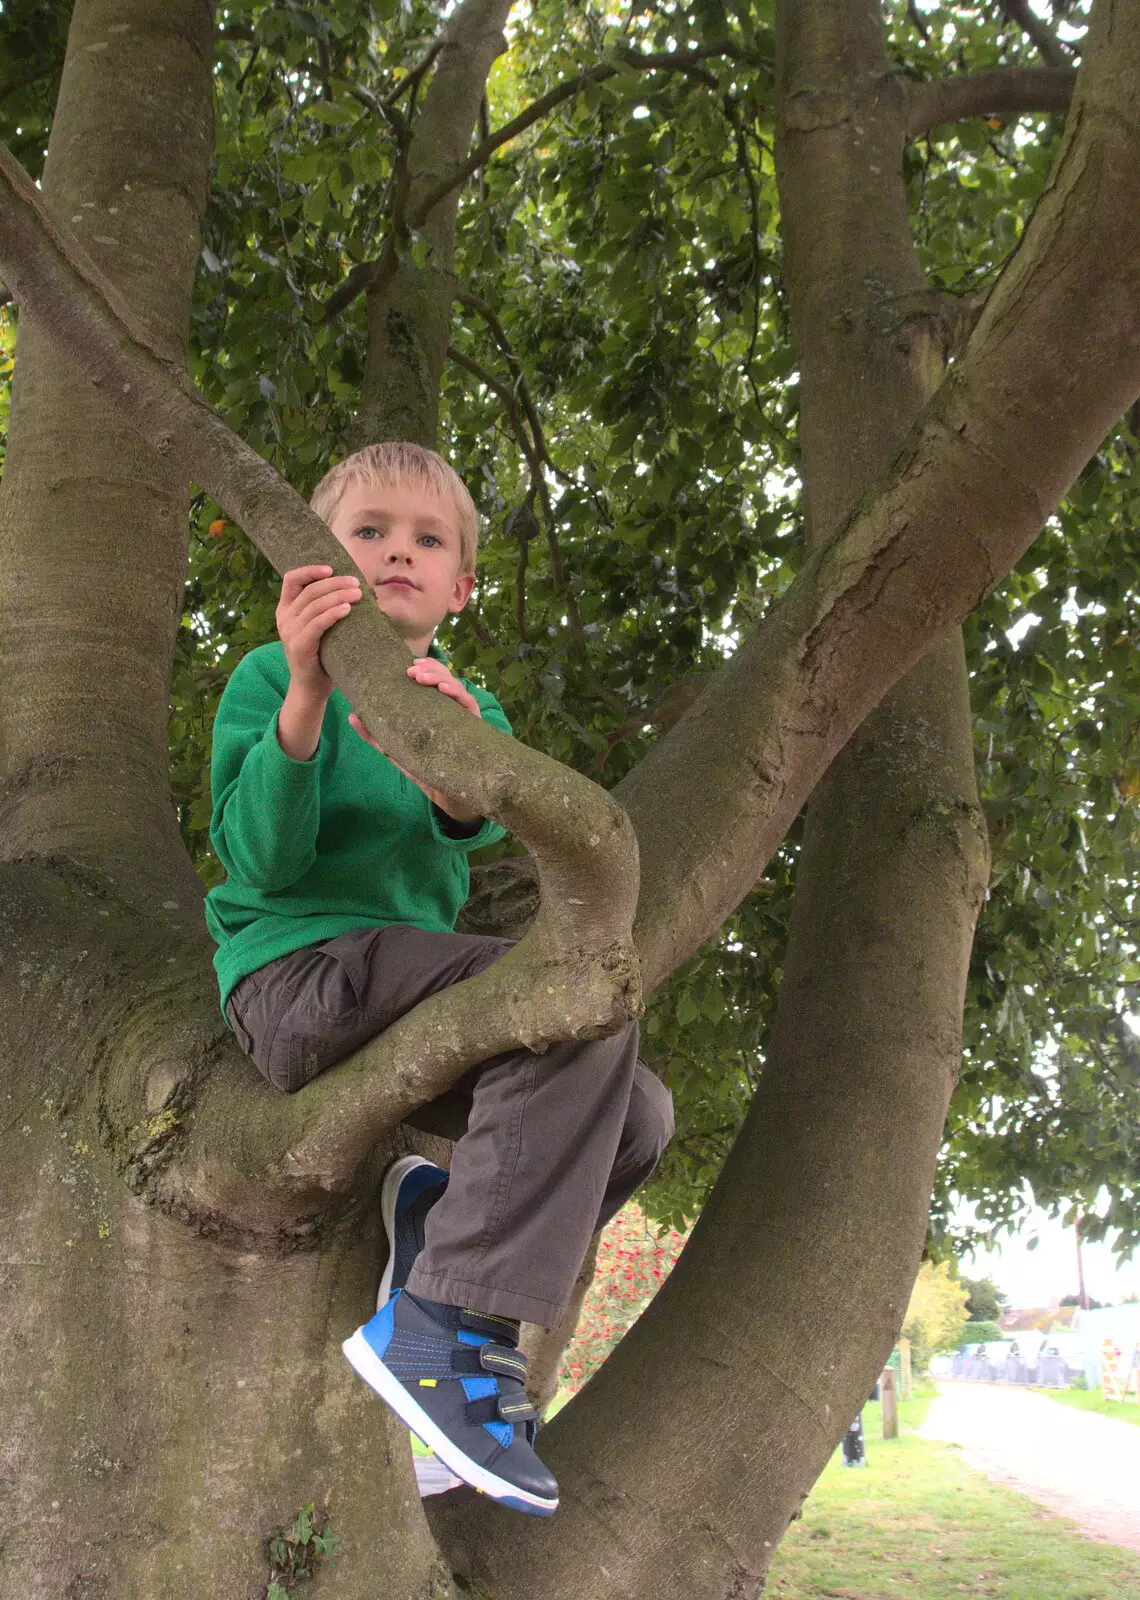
{"points": [[396, 583]]}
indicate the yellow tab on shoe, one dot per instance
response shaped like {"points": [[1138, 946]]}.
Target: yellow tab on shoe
{"points": [[427, 1383]]}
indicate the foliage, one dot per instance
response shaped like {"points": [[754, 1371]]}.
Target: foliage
{"points": [[633, 1263], [981, 1330], [984, 1300], [936, 1314], [295, 1551], [629, 246]]}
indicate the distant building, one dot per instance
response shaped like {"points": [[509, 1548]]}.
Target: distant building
{"points": [[1039, 1319]]}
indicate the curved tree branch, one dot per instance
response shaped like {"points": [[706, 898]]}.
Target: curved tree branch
{"points": [[575, 973], [1052, 364], [1049, 47], [1006, 91]]}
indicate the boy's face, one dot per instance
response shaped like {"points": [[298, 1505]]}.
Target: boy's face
{"points": [[407, 545]]}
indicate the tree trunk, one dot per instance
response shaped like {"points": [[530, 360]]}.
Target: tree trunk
{"points": [[793, 1286], [409, 305], [93, 525], [895, 857], [172, 1398]]}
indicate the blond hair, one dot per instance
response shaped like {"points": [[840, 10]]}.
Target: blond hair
{"points": [[404, 465]]}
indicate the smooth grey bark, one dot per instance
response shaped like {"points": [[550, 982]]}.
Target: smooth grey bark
{"points": [[409, 304], [170, 1394], [93, 528]]}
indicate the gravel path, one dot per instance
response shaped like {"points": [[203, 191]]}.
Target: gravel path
{"points": [[1075, 1463]]}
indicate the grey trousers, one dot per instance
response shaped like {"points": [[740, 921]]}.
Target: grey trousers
{"points": [[547, 1147]]}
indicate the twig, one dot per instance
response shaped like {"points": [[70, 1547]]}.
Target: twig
{"points": [[538, 483], [732, 115], [29, 78], [476, 303], [369, 273], [920, 27], [675, 61], [249, 66], [414, 75], [1049, 47]]}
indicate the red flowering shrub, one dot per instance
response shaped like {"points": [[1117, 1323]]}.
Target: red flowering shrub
{"points": [[633, 1263]]}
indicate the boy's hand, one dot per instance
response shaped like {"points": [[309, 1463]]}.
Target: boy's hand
{"points": [[427, 670], [311, 601]]}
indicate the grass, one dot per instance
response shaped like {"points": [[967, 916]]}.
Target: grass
{"points": [[917, 1519], [1093, 1400]]}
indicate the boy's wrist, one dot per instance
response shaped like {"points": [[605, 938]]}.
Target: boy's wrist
{"points": [[306, 696], [299, 722]]}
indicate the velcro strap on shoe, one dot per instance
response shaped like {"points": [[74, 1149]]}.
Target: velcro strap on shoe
{"points": [[492, 1326], [501, 1408], [500, 1358], [489, 1357]]}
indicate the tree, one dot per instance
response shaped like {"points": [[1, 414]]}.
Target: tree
{"points": [[182, 1248], [936, 1316], [984, 1300]]}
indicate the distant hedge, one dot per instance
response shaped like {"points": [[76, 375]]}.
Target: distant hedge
{"points": [[981, 1333]]}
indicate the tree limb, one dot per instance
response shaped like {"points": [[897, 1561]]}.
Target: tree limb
{"points": [[575, 974], [1008, 91], [1049, 47], [1052, 364]]}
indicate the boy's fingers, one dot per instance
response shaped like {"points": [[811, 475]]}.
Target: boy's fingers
{"points": [[313, 630], [339, 601], [297, 577], [456, 691], [320, 590]]}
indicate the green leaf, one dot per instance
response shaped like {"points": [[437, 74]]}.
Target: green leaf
{"points": [[330, 111]]}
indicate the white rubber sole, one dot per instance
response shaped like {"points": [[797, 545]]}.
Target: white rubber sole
{"points": [[364, 1360], [389, 1191]]}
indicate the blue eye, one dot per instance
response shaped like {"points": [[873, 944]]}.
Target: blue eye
{"points": [[367, 532], [433, 537]]}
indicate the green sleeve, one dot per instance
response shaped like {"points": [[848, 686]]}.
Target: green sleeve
{"points": [[493, 713], [266, 805]]}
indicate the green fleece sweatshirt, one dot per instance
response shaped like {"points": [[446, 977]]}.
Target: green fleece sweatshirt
{"points": [[315, 848]]}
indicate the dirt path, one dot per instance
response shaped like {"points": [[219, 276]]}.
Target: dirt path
{"points": [[1075, 1463]]}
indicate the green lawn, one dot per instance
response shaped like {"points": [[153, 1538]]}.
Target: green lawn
{"points": [[1093, 1400], [917, 1520]]}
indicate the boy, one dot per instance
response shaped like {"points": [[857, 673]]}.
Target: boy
{"points": [[345, 877]]}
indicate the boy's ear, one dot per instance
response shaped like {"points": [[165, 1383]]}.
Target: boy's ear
{"points": [[464, 585]]}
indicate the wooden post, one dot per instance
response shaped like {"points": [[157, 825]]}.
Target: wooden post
{"points": [[890, 1404], [905, 1386]]}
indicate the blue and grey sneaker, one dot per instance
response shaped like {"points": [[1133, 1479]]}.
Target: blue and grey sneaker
{"points": [[412, 1186], [460, 1390]]}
